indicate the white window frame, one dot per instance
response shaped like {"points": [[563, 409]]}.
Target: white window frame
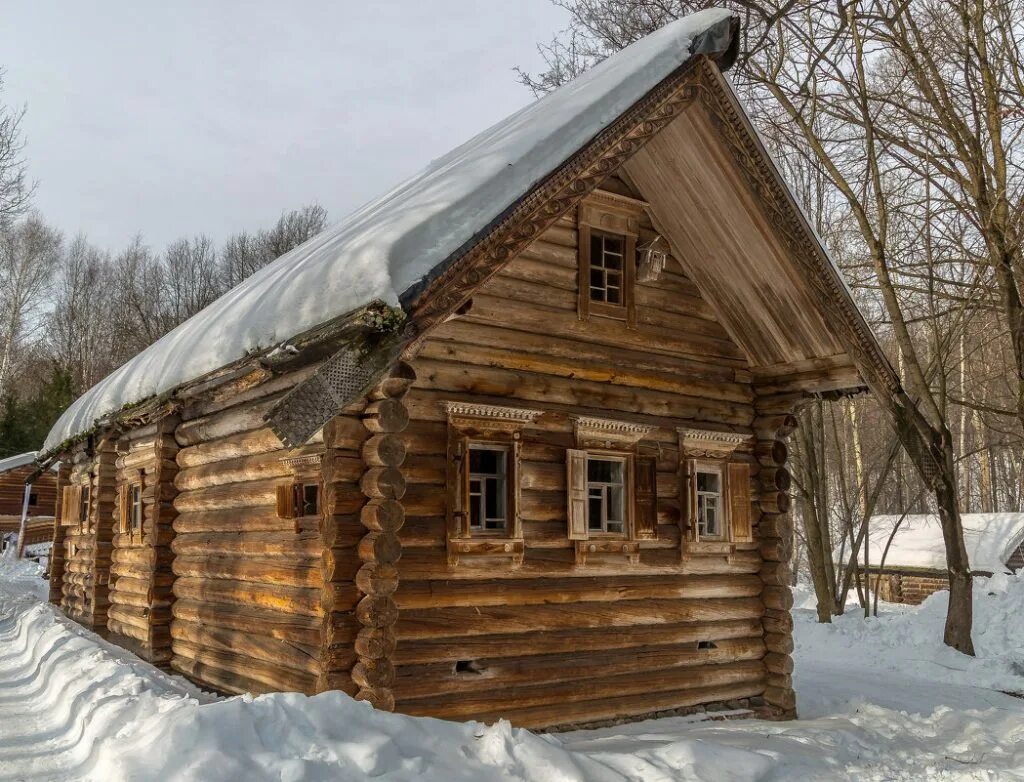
{"points": [[135, 513], [701, 507], [481, 497], [603, 486], [598, 263]]}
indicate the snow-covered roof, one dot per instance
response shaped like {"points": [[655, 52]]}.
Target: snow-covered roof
{"points": [[990, 539], [13, 462], [391, 247]]}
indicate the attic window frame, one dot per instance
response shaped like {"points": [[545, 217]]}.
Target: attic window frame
{"points": [[609, 215]]}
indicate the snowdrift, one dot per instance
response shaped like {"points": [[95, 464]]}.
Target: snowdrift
{"points": [[75, 708]]}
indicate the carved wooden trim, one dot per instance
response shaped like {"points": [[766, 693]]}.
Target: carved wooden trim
{"points": [[303, 462], [483, 416], [796, 233], [708, 444], [607, 433], [562, 191]]}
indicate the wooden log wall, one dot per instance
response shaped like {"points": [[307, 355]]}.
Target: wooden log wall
{"points": [[58, 549], [85, 591], [550, 643], [141, 574], [247, 611], [12, 492], [775, 540]]}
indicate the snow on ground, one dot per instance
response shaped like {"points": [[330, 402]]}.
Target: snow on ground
{"points": [[879, 700]]}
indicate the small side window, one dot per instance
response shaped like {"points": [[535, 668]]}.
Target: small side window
{"points": [[709, 503], [307, 499], [606, 494], [135, 508], [83, 506], [488, 488]]}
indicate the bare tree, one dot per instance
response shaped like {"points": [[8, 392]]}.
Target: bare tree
{"points": [[29, 254], [15, 188], [245, 253]]}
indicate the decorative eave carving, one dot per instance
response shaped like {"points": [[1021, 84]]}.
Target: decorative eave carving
{"points": [[483, 416], [612, 212], [709, 444], [606, 433]]}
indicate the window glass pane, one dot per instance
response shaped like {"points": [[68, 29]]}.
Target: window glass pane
{"points": [[600, 470], [708, 481], [612, 261], [596, 278], [595, 249], [492, 495], [310, 500], [615, 505], [594, 511], [484, 461]]}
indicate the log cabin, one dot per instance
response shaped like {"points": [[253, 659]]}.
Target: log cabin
{"points": [[506, 442], [914, 564], [15, 473]]}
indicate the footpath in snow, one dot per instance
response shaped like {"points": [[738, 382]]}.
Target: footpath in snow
{"points": [[879, 700]]}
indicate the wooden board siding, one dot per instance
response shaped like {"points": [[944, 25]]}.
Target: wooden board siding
{"points": [[246, 615], [86, 572], [12, 492], [550, 642], [140, 572]]}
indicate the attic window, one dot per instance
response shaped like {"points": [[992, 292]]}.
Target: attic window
{"points": [[609, 226], [607, 255]]}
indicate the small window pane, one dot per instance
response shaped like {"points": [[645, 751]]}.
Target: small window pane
{"points": [[707, 481], [615, 504], [594, 513]]}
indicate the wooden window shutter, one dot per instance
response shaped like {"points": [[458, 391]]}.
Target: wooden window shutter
{"points": [[286, 501], [65, 506], [124, 506], [576, 488], [76, 505], [646, 493], [688, 499], [739, 502]]}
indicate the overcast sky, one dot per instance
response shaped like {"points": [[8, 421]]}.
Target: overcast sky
{"points": [[200, 116]]}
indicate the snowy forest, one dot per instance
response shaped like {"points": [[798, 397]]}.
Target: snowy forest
{"points": [[73, 311]]}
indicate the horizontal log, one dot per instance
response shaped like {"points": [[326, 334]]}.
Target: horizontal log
{"points": [[249, 494], [784, 699], [383, 483], [277, 597], [259, 466], [287, 544], [272, 677], [542, 391], [486, 620], [550, 591], [225, 448], [572, 715], [463, 705], [285, 626], [429, 564], [243, 418], [270, 571], [381, 547], [453, 647], [262, 519], [429, 680], [253, 645], [606, 370], [778, 622]]}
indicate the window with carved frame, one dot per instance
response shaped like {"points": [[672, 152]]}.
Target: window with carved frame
{"points": [[300, 498], [609, 225], [611, 489], [483, 484], [130, 507], [715, 490]]}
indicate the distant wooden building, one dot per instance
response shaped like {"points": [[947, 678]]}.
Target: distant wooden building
{"points": [[507, 442], [915, 563], [14, 472]]}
